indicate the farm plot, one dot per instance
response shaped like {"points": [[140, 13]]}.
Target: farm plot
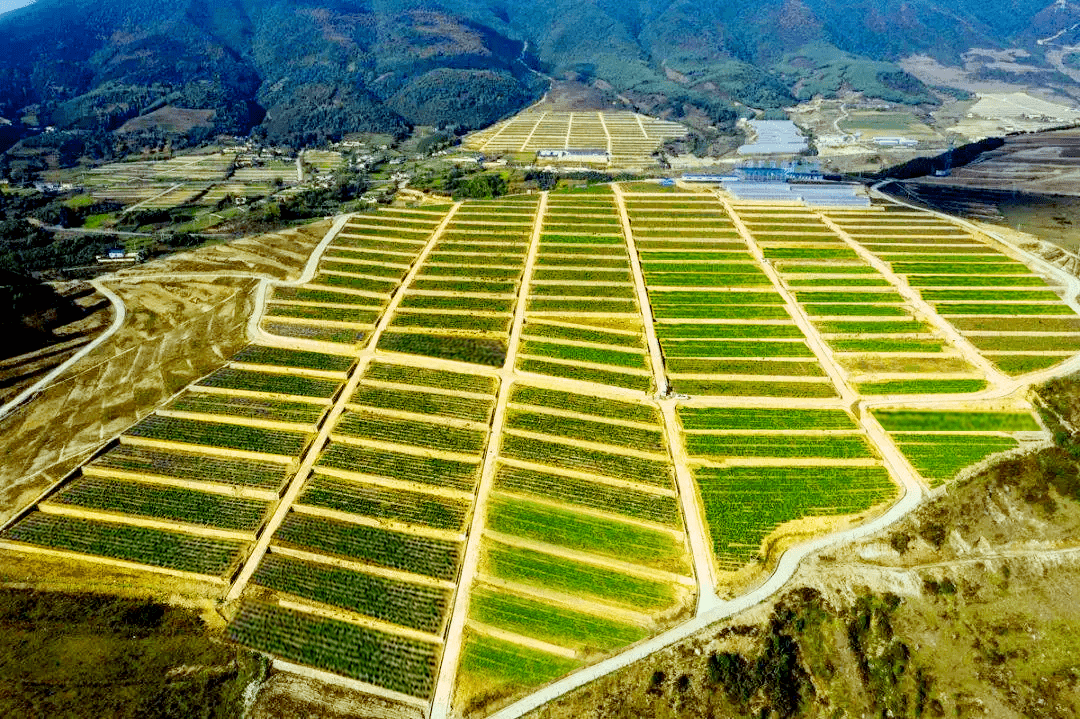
{"points": [[358, 273], [583, 535], [460, 305], [994, 300], [759, 468], [374, 540], [722, 327], [940, 443], [875, 335], [583, 323]]}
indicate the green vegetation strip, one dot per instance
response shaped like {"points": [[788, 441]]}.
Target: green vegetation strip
{"points": [[408, 553], [500, 662], [727, 445], [897, 420], [195, 467], [469, 408], [582, 532], [1055, 308], [585, 404], [552, 624], [374, 426], [734, 348], [727, 331], [887, 345], [154, 547], [416, 606], [287, 384], [612, 378], [556, 455], [743, 505], [333, 314], [369, 500], [592, 495], [386, 660], [581, 334], [716, 388], [248, 407], [424, 377], [923, 386], [400, 466], [564, 575], [214, 434], [764, 418], [634, 358], [491, 353], [173, 504], [939, 457], [586, 430]]}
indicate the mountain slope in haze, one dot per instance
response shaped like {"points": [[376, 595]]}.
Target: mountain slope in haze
{"points": [[304, 70]]}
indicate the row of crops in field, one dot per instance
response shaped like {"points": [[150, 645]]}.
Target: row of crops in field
{"points": [[460, 305], [203, 473], [723, 328], [940, 443], [358, 273], [582, 317], [369, 552], [583, 542], [876, 336], [757, 468], [996, 301]]}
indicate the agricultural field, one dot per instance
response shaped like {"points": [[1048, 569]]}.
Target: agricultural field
{"points": [[583, 545], [760, 468], [1012, 315], [630, 139], [940, 443], [358, 274], [722, 326], [488, 444]]}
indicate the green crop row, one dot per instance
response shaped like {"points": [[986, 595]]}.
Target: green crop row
{"points": [[700, 279], [960, 268], [409, 605], [585, 533], [718, 299], [849, 297], [790, 268], [582, 261], [549, 623], [810, 253], [439, 321], [374, 426], [581, 334], [565, 575], [583, 275], [727, 331], [587, 430], [333, 314], [216, 434], [454, 285], [582, 459], [741, 445], [887, 345], [443, 405], [1021, 364], [735, 348], [1021, 343], [822, 390], [939, 457], [859, 282], [898, 420], [153, 547], [373, 545], [873, 328], [743, 505], [923, 386], [248, 407], [601, 291], [426, 377], [369, 500], [442, 302], [286, 384], [511, 274], [362, 268], [615, 357], [462, 349], [312, 294], [317, 332], [173, 504], [355, 283], [1056, 308], [592, 495], [856, 310], [989, 295], [713, 418], [584, 404], [975, 281], [496, 663], [600, 305], [690, 311], [386, 660], [613, 378], [400, 466], [302, 359], [195, 467], [779, 368]]}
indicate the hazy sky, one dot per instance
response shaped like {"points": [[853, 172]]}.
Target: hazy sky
{"points": [[6, 5]]}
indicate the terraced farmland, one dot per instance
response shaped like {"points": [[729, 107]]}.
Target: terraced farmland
{"points": [[489, 444], [629, 138], [357, 275], [583, 548]]}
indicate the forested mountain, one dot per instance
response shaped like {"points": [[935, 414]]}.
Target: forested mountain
{"points": [[303, 70]]}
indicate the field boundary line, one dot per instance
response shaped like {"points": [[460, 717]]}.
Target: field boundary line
{"points": [[697, 533], [315, 448], [442, 698]]}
